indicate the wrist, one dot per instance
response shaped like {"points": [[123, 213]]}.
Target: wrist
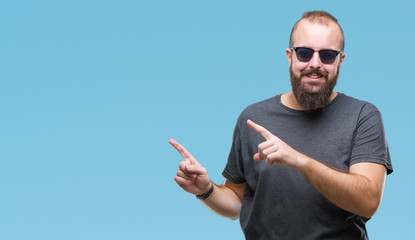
{"points": [[207, 193], [305, 164]]}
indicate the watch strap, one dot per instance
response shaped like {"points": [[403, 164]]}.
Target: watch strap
{"points": [[206, 194]]}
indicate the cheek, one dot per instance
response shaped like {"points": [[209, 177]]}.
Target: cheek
{"points": [[332, 71], [297, 67]]}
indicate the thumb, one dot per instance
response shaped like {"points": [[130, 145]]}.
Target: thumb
{"points": [[199, 170], [257, 157]]}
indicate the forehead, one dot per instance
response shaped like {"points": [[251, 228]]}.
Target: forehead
{"points": [[317, 35]]}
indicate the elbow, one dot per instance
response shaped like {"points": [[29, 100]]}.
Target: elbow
{"points": [[371, 210], [368, 213], [234, 217], [371, 207], [373, 199], [232, 213]]}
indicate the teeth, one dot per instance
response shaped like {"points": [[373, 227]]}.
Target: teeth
{"points": [[313, 76]]}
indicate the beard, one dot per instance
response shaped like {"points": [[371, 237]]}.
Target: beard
{"points": [[308, 98]]}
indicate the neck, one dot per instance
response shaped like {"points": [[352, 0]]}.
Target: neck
{"points": [[289, 100]]}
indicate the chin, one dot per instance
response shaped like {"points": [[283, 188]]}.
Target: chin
{"points": [[314, 87]]}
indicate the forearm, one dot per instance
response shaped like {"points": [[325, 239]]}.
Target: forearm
{"points": [[224, 202], [352, 192]]}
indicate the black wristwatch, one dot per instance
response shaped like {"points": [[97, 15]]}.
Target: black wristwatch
{"points": [[206, 194]]}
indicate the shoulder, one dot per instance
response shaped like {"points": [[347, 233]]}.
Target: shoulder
{"points": [[346, 103], [364, 115]]}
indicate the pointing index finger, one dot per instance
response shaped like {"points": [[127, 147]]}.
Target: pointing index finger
{"points": [[185, 154], [260, 129]]}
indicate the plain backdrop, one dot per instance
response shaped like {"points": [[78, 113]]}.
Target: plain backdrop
{"points": [[91, 92]]}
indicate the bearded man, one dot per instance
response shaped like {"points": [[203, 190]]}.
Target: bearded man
{"points": [[307, 164]]}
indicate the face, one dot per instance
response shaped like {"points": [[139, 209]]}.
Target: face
{"points": [[313, 81]]}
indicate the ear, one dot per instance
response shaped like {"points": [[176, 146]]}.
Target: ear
{"points": [[342, 59], [289, 54]]}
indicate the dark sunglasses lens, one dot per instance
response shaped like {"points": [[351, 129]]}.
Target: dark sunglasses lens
{"points": [[328, 56], [304, 54]]}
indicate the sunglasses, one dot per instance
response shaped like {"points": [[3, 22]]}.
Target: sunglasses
{"points": [[305, 54]]}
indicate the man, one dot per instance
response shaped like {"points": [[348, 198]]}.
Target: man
{"points": [[308, 164]]}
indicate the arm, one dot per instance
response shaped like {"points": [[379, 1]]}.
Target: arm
{"points": [[225, 200], [358, 191]]}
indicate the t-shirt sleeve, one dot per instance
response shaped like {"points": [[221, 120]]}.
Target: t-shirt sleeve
{"points": [[369, 142], [234, 169]]}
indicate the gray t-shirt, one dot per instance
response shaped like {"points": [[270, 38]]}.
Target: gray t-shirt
{"points": [[279, 203]]}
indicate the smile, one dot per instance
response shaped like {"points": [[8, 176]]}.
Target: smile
{"points": [[314, 76]]}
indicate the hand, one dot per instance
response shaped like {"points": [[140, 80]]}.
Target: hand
{"points": [[191, 176], [274, 150]]}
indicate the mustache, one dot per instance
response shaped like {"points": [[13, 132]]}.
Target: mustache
{"points": [[314, 71]]}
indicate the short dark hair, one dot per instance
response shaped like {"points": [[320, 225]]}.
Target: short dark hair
{"points": [[320, 17]]}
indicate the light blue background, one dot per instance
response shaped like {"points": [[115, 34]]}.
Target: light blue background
{"points": [[91, 92]]}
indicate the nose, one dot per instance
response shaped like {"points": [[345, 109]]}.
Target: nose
{"points": [[315, 60]]}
